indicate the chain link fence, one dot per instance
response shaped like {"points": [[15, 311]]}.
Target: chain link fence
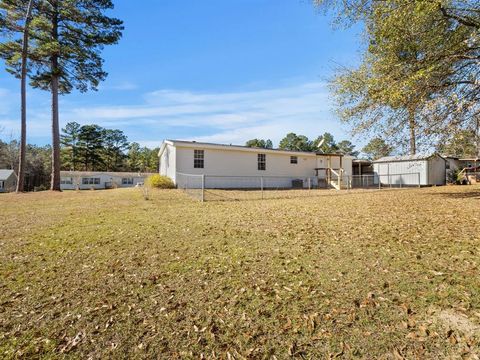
{"points": [[225, 188], [376, 181]]}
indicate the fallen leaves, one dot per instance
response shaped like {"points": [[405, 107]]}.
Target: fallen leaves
{"points": [[241, 280], [72, 343]]}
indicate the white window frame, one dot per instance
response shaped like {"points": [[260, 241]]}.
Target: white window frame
{"points": [[2, 184], [127, 181], [90, 181], [261, 162], [198, 159], [66, 181]]}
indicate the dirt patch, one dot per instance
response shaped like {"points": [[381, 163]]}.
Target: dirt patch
{"points": [[458, 322]]}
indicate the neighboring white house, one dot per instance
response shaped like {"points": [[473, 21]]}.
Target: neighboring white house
{"points": [[233, 166], [411, 170], [85, 180], [8, 180]]}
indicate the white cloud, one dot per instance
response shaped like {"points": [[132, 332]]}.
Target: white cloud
{"points": [[6, 99], [121, 86], [226, 117]]}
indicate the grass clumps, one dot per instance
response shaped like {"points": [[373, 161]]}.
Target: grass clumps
{"points": [[352, 275], [160, 182]]}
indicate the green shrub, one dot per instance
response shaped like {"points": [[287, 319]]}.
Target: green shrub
{"points": [[160, 182]]}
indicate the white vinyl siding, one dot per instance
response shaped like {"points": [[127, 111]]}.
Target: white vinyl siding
{"points": [[220, 162]]}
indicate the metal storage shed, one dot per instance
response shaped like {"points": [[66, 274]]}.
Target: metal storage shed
{"points": [[411, 170], [8, 180]]}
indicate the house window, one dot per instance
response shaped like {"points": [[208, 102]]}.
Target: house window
{"points": [[90, 181], [66, 181], [198, 159], [293, 160], [127, 181], [2, 184], [262, 162]]}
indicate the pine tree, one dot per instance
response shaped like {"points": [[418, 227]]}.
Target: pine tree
{"points": [[10, 14], [296, 142], [328, 144], [376, 149], [346, 147], [66, 40], [69, 141], [134, 162], [115, 143], [260, 143], [90, 147]]}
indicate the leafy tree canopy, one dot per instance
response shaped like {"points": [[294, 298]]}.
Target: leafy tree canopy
{"points": [[419, 77], [462, 144], [260, 143], [74, 31], [376, 149], [325, 143], [296, 142]]}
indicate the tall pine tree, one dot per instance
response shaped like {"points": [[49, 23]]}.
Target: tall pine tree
{"points": [[70, 142], [11, 13], [66, 39]]}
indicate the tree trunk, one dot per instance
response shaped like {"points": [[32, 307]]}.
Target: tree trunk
{"points": [[55, 184], [55, 180], [23, 125], [477, 136], [74, 155], [412, 128]]}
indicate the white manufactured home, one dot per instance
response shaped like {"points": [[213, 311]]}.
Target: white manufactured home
{"points": [[86, 180], [411, 170], [233, 166]]}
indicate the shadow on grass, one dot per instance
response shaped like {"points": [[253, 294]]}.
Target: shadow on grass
{"points": [[460, 195]]}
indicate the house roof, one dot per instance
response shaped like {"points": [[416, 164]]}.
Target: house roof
{"points": [[362, 161], [5, 174], [107, 173], [239, 147], [453, 157], [415, 157], [470, 159]]}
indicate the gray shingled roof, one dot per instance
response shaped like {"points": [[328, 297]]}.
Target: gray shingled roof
{"points": [[405, 158], [5, 174]]}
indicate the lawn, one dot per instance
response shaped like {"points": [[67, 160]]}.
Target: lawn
{"points": [[108, 274]]}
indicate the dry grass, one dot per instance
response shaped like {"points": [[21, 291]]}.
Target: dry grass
{"points": [[107, 274]]}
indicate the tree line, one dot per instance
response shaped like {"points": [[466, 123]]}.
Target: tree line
{"points": [[461, 143], [325, 143], [83, 148], [94, 148]]}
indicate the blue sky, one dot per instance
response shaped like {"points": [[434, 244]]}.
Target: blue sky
{"points": [[214, 70]]}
